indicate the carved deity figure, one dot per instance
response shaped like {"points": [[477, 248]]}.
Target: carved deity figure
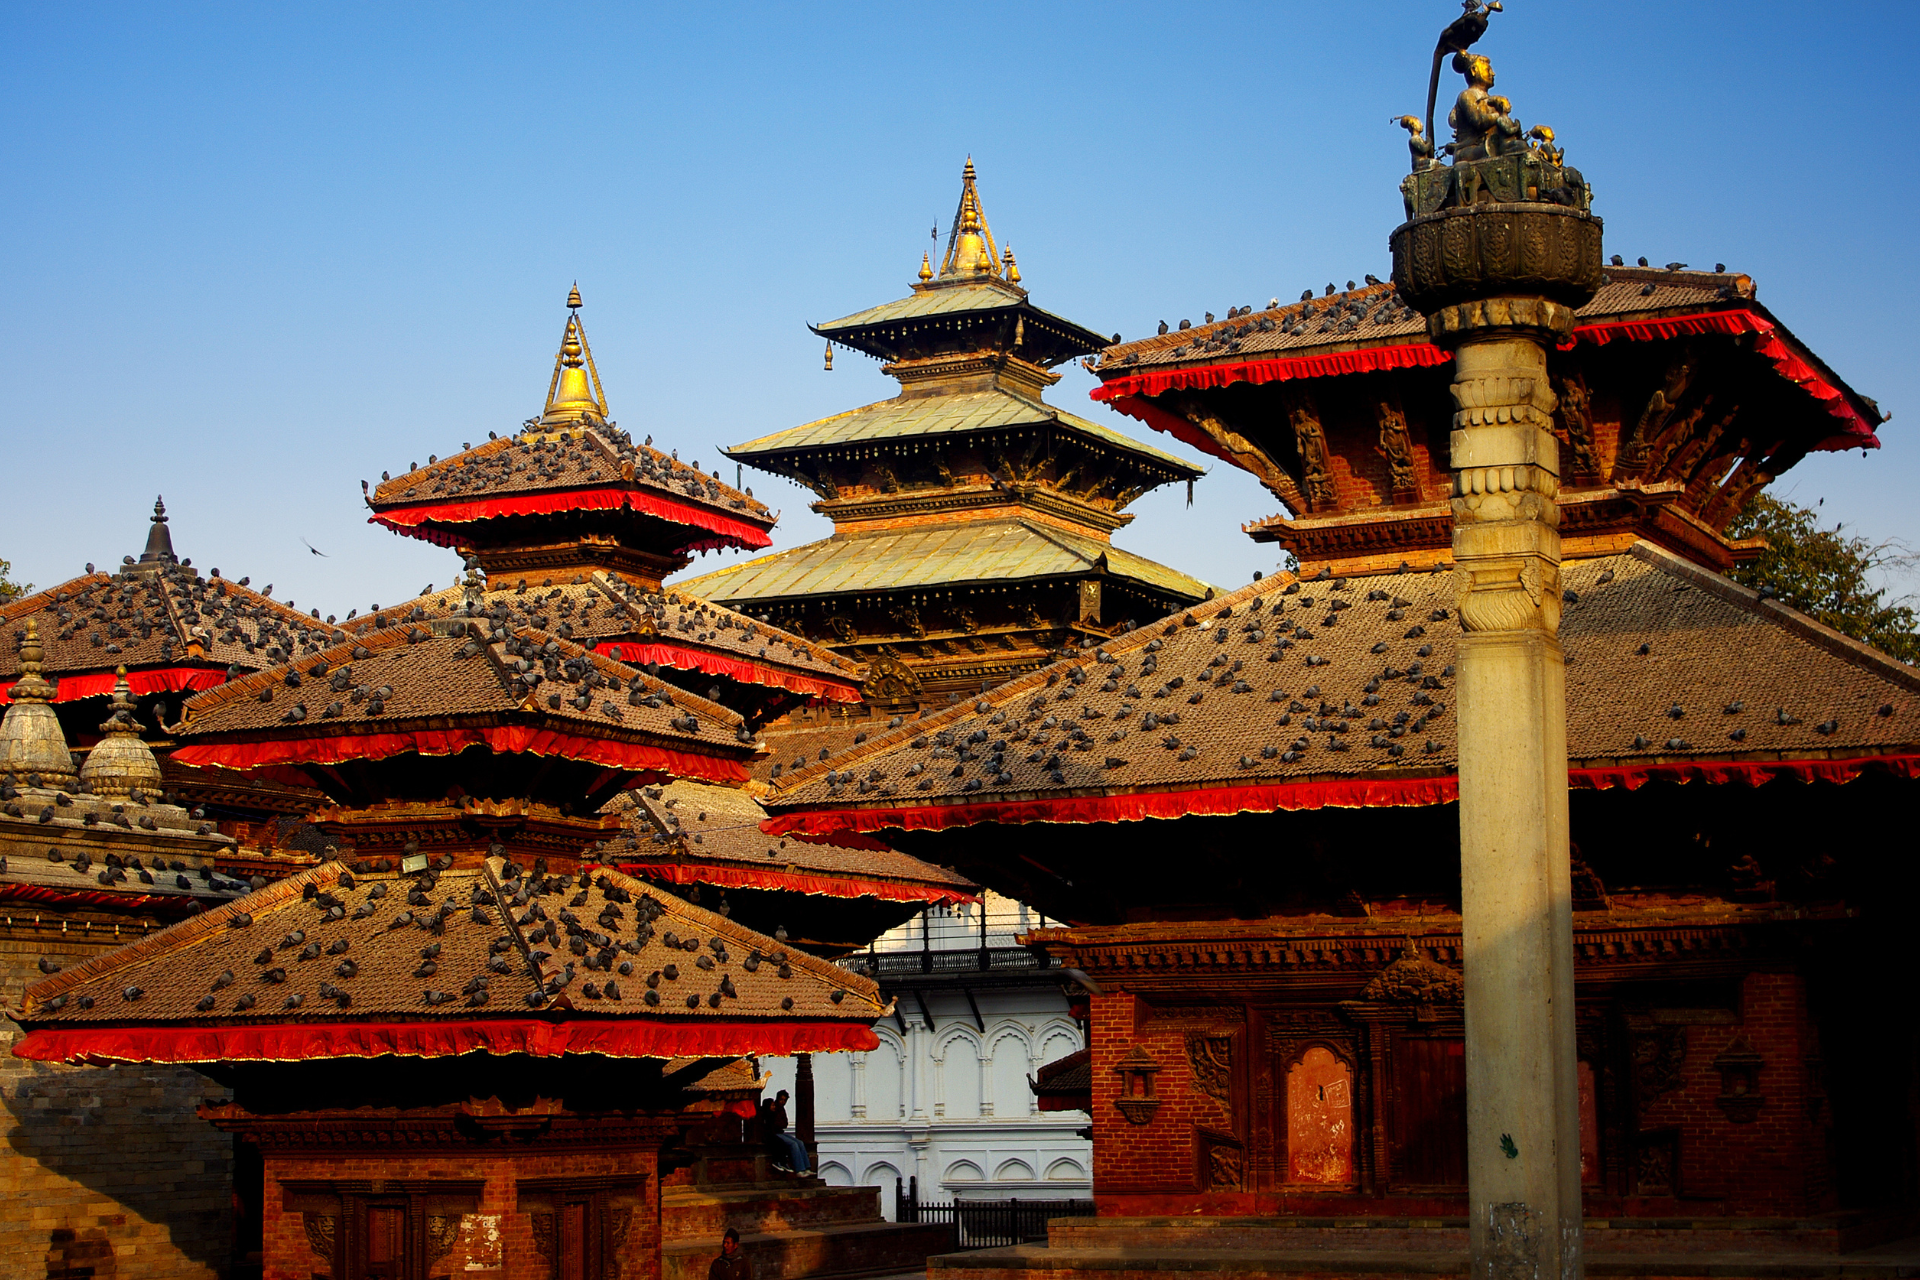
{"points": [[1483, 125], [1397, 448], [1419, 145], [1316, 481], [1575, 413]]}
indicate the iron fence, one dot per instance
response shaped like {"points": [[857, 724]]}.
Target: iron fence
{"points": [[986, 1224]]}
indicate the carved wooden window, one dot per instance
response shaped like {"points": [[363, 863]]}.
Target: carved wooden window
{"points": [[384, 1242], [580, 1225], [1320, 1119], [1429, 1112]]}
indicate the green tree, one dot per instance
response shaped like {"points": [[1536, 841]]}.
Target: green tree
{"points": [[9, 589], [1825, 574]]}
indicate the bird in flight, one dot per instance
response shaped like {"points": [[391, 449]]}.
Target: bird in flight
{"points": [[309, 546]]}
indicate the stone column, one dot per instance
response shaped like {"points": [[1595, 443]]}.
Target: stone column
{"points": [[1478, 272], [803, 1107]]}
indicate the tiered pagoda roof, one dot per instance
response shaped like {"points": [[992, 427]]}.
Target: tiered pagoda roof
{"points": [[329, 964], [972, 519], [690, 833], [1680, 397], [173, 630], [570, 491], [693, 642], [1336, 692], [442, 689]]}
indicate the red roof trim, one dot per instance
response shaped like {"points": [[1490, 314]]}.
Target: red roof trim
{"points": [[1121, 392], [1343, 793], [828, 886], [627, 1037], [176, 903], [154, 680], [733, 533], [636, 654], [505, 739]]}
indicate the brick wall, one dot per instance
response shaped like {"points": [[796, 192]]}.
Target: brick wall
{"points": [[106, 1171], [495, 1243], [1777, 1163]]}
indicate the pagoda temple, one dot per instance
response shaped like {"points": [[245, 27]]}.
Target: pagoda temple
{"points": [[1278, 1053], [174, 632], [1680, 396], [568, 524], [973, 521]]}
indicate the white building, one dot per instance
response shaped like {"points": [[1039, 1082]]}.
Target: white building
{"points": [[945, 1098]]}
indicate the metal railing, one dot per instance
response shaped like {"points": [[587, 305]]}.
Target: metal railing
{"points": [[986, 1224]]}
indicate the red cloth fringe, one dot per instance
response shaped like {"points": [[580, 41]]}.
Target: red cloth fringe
{"points": [[795, 882], [1125, 394], [1341, 793], [505, 739], [169, 902], [733, 533], [672, 655], [158, 680], [627, 1037], [1859, 433], [1413, 355]]}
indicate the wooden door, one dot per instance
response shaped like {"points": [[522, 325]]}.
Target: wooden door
{"points": [[385, 1239], [1429, 1140]]}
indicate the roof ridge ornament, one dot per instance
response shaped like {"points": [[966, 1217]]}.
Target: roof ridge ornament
{"points": [[121, 762], [971, 253], [574, 394], [31, 740], [159, 550]]}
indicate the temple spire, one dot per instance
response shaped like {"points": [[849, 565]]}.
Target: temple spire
{"points": [[121, 762], [32, 744], [574, 392], [971, 253], [159, 540]]}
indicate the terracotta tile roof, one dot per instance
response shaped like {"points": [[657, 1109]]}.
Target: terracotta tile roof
{"points": [[168, 618], [1373, 315], [446, 672], [62, 844], [943, 416], [555, 460], [1290, 682], [687, 822], [600, 609], [326, 946], [936, 555]]}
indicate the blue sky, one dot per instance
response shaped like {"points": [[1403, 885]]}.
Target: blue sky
{"points": [[252, 255]]}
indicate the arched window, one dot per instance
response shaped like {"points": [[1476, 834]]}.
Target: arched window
{"points": [[1320, 1119]]}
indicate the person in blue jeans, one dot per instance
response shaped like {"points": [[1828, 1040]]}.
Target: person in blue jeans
{"points": [[776, 1117]]}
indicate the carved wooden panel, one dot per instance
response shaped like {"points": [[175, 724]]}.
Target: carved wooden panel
{"points": [[1320, 1119]]}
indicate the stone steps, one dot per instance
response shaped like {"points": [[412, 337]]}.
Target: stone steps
{"points": [[834, 1252], [702, 1213]]}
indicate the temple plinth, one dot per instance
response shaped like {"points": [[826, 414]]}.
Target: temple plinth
{"points": [[1498, 252]]}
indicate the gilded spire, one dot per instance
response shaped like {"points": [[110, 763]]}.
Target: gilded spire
{"points": [[926, 267], [31, 740], [971, 253], [121, 761], [575, 392]]}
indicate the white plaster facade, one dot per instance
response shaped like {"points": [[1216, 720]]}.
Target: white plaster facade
{"points": [[949, 1103]]}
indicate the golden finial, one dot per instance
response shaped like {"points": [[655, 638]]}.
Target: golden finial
{"points": [[574, 393], [829, 357], [1012, 268], [926, 267], [970, 249]]}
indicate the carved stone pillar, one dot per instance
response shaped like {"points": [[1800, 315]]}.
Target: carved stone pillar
{"points": [[803, 1106], [1499, 282]]}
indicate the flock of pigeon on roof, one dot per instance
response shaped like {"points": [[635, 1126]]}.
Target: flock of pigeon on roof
{"points": [[580, 455]]}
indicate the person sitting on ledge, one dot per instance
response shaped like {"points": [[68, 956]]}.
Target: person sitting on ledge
{"points": [[776, 1129]]}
